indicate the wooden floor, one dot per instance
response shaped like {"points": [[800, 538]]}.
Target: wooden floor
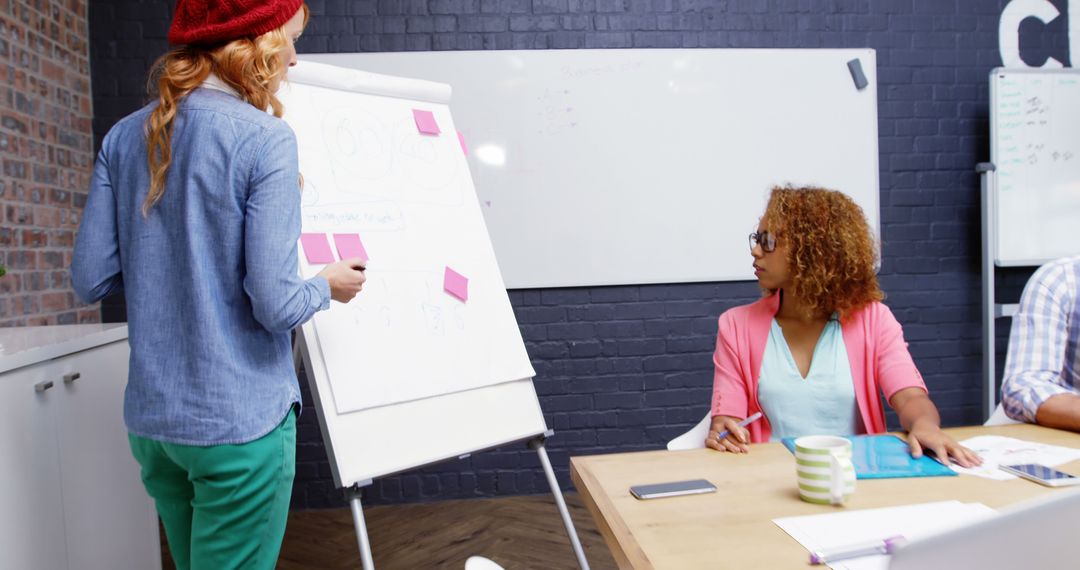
{"points": [[516, 532]]}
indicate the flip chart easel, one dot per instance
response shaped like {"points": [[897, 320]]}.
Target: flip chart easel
{"points": [[406, 374]]}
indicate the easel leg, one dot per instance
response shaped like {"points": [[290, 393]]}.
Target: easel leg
{"points": [[538, 445], [353, 494]]}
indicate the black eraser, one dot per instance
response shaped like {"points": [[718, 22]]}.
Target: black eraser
{"points": [[857, 75]]}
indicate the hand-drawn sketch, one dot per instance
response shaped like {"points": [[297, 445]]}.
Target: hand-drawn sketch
{"points": [[368, 170]]}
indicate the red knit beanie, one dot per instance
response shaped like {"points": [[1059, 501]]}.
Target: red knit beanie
{"points": [[215, 21]]}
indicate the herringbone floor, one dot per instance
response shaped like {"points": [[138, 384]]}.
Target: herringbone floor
{"points": [[516, 532]]}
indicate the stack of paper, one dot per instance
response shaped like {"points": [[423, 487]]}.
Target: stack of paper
{"points": [[837, 530]]}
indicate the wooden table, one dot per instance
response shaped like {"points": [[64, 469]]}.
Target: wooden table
{"points": [[733, 527]]}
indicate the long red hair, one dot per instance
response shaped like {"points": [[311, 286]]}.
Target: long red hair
{"points": [[248, 65]]}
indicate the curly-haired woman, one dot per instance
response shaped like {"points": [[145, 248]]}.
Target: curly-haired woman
{"points": [[817, 350], [194, 212]]}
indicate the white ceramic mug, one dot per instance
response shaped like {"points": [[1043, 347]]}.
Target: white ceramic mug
{"points": [[826, 474]]}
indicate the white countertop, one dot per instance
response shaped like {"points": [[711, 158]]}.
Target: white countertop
{"points": [[24, 346]]}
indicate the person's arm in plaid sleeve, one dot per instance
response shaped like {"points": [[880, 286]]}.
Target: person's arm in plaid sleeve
{"points": [[1033, 389]]}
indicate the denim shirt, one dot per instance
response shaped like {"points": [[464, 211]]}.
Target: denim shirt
{"points": [[210, 274]]}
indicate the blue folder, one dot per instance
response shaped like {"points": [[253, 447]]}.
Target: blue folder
{"points": [[886, 457]]}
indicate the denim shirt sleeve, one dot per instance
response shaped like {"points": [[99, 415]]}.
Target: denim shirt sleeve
{"points": [[95, 264], [280, 299]]}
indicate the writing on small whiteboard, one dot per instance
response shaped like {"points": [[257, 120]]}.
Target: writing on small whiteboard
{"points": [[1035, 120]]}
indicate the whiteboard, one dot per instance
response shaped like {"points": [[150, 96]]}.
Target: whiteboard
{"points": [[405, 374], [1035, 147], [603, 167]]}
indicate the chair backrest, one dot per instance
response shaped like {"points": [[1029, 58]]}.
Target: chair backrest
{"points": [[481, 563], [1035, 535], [695, 438], [998, 418]]}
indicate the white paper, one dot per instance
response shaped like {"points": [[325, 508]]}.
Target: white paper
{"points": [[368, 170], [996, 450], [913, 522]]}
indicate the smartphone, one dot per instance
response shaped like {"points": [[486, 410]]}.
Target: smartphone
{"points": [[673, 489], [1042, 474]]}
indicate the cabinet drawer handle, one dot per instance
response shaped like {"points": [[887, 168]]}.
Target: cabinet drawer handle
{"points": [[71, 377], [43, 385]]}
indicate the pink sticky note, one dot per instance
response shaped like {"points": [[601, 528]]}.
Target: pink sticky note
{"points": [[456, 284], [349, 245], [464, 147], [425, 122], [316, 248]]}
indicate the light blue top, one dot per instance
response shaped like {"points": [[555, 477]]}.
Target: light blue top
{"points": [[210, 276], [823, 403]]}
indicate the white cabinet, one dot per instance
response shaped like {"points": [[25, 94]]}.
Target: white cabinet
{"points": [[70, 493], [31, 512]]}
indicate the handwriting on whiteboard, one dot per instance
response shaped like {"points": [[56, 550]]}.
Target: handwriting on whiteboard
{"points": [[1036, 140]]}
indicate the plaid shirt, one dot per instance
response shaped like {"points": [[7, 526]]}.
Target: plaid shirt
{"points": [[1044, 359]]}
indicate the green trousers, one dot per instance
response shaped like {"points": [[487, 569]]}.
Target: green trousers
{"points": [[223, 506]]}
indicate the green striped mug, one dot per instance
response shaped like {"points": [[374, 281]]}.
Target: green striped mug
{"points": [[826, 474]]}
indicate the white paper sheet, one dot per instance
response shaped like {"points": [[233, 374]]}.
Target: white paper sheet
{"points": [[834, 530], [368, 170], [996, 450]]}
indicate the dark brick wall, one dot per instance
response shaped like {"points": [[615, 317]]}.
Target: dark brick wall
{"points": [[626, 368]]}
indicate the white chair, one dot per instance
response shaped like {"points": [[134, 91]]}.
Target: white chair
{"points": [[481, 563], [695, 438], [998, 418]]}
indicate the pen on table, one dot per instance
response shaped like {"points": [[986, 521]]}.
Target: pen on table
{"points": [[830, 555], [743, 423]]}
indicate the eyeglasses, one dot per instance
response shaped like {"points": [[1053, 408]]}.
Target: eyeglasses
{"points": [[766, 240]]}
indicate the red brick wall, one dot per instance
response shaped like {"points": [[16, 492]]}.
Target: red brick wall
{"points": [[46, 152]]}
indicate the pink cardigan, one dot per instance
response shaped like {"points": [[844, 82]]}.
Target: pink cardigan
{"points": [[880, 361]]}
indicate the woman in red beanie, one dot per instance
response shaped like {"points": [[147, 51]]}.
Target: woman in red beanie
{"points": [[194, 212]]}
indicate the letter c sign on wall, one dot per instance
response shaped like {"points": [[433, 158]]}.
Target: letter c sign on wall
{"points": [[1019, 10]]}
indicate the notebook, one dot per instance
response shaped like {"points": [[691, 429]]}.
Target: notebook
{"points": [[886, 457]]}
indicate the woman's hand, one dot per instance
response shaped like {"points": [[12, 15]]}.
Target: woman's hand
{"points": [[920, 418], [346, 278], [928, 436], [737, 440]]}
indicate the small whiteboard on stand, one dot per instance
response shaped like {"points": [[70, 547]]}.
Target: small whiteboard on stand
{"points": [[1035, 148], [409, 372], [1030, 188]]}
